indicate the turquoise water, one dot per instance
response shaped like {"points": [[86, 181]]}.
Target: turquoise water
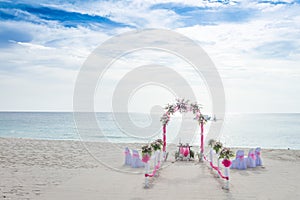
{"points": [[240, 130]]}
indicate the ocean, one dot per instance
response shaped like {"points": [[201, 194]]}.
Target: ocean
{"points": [[280, 131]]}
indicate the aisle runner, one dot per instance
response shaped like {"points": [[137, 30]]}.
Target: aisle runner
{"points": [[186, 179]]}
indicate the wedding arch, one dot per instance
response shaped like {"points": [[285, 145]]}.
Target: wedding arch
{"points": [[183, 106]]}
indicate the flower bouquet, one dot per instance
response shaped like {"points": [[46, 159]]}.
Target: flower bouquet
{"points": [[160, 141], [182, 105], [201, 119], [226, 154], [147, 149], [211, 143], [146, 153], [217, 146], [195, 108], [170, 109], [156, 145]]}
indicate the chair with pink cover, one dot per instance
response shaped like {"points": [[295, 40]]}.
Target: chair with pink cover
{"points": [[128, 157], [239, 162], [136, 162], [251, 160], [258, 157]]}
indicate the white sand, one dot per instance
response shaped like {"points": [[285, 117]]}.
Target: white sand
{"points": [[37, 169]]}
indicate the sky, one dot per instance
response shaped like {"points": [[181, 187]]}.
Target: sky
{"points": [[255, 45]]}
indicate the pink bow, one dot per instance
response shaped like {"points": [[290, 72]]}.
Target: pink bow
{"points": [[241, 157], [186, 151], [252, 155], [135, 155]]}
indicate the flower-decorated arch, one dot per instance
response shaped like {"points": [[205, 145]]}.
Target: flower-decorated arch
{"points": [[183, 106]]}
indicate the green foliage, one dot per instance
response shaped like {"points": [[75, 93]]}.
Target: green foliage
{"points": [[147, 149], [217, 146], [226, 153]]}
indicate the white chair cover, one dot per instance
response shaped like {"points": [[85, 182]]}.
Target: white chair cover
{"points": [[251, 160], [258, 157], [136, 162], [239, 162], [128, 157]]}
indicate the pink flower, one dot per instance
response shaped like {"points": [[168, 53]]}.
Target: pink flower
{"points": [[146, 158], [226, 162]]}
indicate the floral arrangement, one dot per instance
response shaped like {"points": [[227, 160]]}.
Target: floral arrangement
{"points": [[195, 108], [226, 153], [147, 149], [217, 146], [165, 119], [160, 141], [182, 105], [211, 142], [201, 119], [170, 109], [156, 145]]}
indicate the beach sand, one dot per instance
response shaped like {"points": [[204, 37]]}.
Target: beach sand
{"points": [[46, 170]]}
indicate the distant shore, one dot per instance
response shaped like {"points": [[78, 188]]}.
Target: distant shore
{"points": [[49, 169]]}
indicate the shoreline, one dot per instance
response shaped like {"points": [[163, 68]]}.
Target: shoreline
{"points": [[140, 143]]}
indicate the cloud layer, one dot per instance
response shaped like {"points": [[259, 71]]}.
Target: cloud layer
{"points": [[254, 44]]}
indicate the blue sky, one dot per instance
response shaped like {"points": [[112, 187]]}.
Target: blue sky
{"points": [[254, 44]]}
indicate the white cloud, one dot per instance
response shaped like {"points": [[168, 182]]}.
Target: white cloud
{"points": [[47, 65]]}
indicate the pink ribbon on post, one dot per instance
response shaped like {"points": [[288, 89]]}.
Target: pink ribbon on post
{"points": [[216, 168], [154, 171], [164, 138], [202, 138]]}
